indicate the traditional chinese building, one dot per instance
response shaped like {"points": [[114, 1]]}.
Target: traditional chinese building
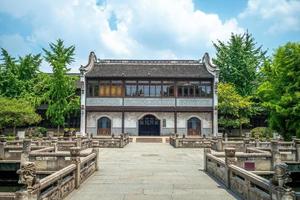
{"points": [[149, 97]]}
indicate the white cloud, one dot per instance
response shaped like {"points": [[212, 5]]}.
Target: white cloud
{"points": [[283, 15], [145, 29]]}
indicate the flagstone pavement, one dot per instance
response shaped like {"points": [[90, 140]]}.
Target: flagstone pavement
{"points": [[150, 171]]}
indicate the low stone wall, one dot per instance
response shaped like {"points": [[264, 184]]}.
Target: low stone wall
{"points": [[110, 142], [189, 142], [243, 183], [59, 184]]}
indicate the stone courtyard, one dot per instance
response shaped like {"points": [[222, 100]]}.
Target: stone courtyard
{"points": [[151, 171]]}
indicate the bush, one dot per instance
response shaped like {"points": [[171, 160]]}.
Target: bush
{"points": [[41, 131], [262, 133]]}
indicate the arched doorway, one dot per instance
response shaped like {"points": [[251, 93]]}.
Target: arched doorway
{"points": [[194, 126], [104, 126], [149, 125]]}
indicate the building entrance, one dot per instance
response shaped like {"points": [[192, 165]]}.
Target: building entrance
{"points": [[149, 125]]}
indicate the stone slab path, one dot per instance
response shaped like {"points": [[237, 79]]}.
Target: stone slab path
{"points": [[143, 171]]}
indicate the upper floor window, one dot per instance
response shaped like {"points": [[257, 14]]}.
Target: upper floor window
{"points": [[168, 88], [131, 88], [104, 90], [93, 88], [194, 89], [116, 88]]}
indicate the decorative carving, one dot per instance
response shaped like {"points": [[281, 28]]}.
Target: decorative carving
{"points": [[27, 175], [281, 176], [88, 67], [75, 151]]}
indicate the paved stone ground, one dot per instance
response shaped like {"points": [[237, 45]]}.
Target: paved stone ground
{"points": [[150, 171]]}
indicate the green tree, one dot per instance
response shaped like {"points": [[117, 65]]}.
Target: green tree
{"points": [[17, 112], [280, 90], [239, 61], [234, 110], [17, 76], [62, 88]]}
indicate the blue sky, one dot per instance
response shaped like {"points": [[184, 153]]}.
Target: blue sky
{"points": [[144, 29]]}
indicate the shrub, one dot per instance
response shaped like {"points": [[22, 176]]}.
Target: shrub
{"points": [[262, 133]]}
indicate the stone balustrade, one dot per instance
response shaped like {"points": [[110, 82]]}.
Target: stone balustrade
{"points": [[189, 142], [243, 183], [110, 141]]}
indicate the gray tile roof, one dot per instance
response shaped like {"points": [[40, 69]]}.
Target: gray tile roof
{"points": [[149, 68]]}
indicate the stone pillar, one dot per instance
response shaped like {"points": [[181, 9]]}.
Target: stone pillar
{"points": [[96, 151], [26, 150], [206, 151], [219, 143], [246, 144], [280, 191], [2, 150], [297, 146], [54, 144], [75, 159], [176, 140], [275, 153], [230, 159], [226, 137], [121, 140], [82, 104], [78, 141]]}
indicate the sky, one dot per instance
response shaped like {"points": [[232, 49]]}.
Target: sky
{"points": [[143, 29]]}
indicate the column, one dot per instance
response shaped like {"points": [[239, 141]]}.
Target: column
{"points": [[175, 122], [26, 150], [75, 159], [82, 104], [215, 106], [123, 118], [230, 159]]}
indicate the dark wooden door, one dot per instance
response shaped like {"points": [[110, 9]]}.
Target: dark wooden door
{"points": [[194, 127], [104, 126], [149, 125]]}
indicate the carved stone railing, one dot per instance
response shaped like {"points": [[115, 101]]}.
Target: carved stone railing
{"points": [[243, 183], [110, 141], [189, 142]]}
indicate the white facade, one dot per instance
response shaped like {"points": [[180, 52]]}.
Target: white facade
{"points": [[124, 117]]}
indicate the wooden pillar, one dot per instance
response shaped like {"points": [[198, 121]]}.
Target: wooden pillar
{"points": [[175, 122], [123, 116]]}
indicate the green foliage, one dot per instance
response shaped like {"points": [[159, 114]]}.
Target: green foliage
{"points": [[239, 60], [262, 132], [234, 110], [61, 95], [280, 90], [17, 112], [41, 131], [17, 76]]}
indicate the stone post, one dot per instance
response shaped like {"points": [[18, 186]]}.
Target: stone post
{"points": [[230, 159], [246, 144], [78, 141], [54, 144], [219, 143], [280, 191], [26, 150], [96, 151], [75, 159], [226, 137], [2, 150], [297, 146], [206, 151], [121, 140], [176, 140], [275, 153]]}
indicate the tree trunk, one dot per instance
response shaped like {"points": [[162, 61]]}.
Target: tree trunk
{"points": [[14, 130], [58, 129]]}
